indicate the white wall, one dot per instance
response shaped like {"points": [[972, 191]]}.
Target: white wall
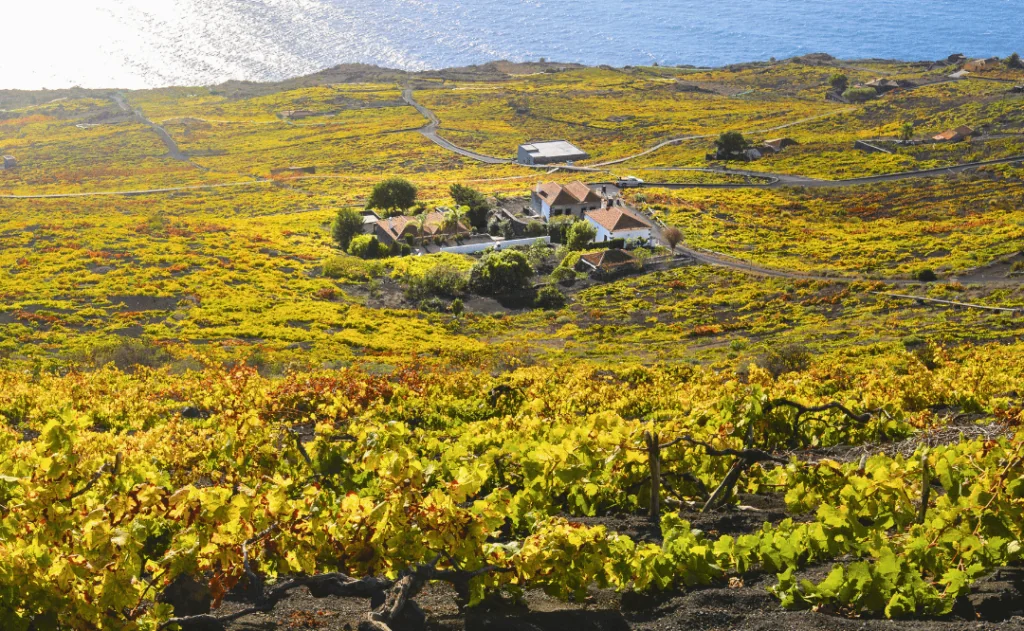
{"points": [[604, 235], [473, 248]]}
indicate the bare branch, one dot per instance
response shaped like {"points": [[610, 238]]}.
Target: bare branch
{"points": [[749, 456], [803, 409]]}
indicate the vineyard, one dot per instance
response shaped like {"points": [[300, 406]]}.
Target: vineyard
{"points": [[212, 418]]}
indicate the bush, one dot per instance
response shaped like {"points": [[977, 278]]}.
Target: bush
{"points": [[785, 359], [563, 275], [501, 272], [127, 355], [579, 235], [443, 280], [347, 225], [535, 229], [367, 246], [926, 275], [731, 142], [457, 307], [549, 297], [433, 305], [859, 95], [1013, 62], [839, 82], [392, 194], [559, 226]]}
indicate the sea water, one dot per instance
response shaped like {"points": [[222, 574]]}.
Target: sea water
{"points": [[151, 43]]}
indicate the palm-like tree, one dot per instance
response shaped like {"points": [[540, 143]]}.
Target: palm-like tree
{"points": [[907, 132], [421, 226], [453, 218]]}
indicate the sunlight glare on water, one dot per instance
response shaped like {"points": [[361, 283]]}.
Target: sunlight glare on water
{"points": [[148, 43]]}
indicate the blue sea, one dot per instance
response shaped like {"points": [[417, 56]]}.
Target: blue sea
{"points": [[152, 43]]}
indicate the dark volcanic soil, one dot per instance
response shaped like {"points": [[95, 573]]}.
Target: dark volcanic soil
{"points": [[747, 607], [997, 602]]}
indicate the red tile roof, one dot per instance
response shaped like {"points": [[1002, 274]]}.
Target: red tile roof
{"points": [[569, 195], [962, 131], [608, 259], [404, 225], [615, 219]]}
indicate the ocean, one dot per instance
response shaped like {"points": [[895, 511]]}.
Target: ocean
{"points": [[154, 43]]}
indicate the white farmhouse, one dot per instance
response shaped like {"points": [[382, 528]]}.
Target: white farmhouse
{"points": [[617, 222], [554, 200]]}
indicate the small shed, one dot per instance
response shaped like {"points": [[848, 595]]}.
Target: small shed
{"points": [[550, 152], [606, 262], [778, 144], [8, 162], [962, 132], [882, 86], [975, 65]]}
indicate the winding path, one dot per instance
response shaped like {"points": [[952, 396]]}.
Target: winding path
{"points": [[779, 180], [172, 147], [430, 132]]}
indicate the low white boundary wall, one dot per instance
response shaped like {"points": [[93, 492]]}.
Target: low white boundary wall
{"points": [[473, 248]]}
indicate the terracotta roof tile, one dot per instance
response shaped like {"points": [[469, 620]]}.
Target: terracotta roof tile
{"points": [[616, 219]]}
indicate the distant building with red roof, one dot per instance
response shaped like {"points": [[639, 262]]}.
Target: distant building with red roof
{"points": [[962, 132], [606, 262], [404, 227]]}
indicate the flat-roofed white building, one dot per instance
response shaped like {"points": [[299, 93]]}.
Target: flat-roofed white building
{"points": [[550, 152]]}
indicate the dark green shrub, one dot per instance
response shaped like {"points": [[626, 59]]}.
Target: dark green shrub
{"points": [[347, 225], [859, 95], [367, 246], [501, 272], [579, 235], [549, 297], [926, 275], [443, 280]]}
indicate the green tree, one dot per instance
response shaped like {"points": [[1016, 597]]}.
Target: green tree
{"points": [[839, 82], [579, 235], [366, 246], [501, 272], [347, 225], [907, 132], [393, 194], [474, 201], [731, 142], [1014, 62]]}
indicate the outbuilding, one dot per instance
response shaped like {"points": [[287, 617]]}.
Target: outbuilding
{"points": [[618, 222], [8, 162], [606, 262], [962, 132], [551, 152]]}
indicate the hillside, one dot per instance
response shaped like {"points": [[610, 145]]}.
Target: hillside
{"points": [[803, 412]]}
